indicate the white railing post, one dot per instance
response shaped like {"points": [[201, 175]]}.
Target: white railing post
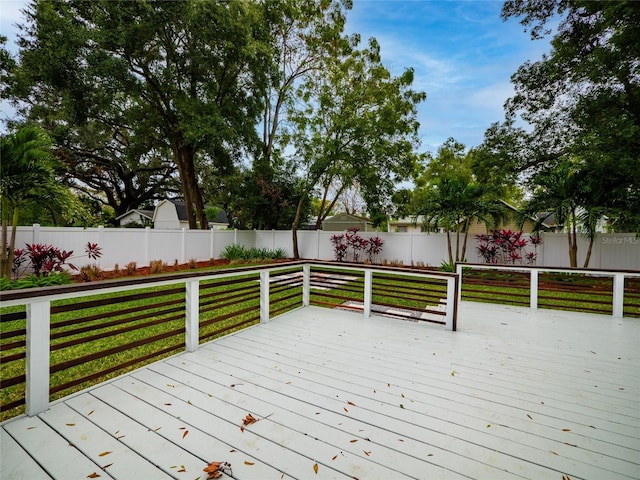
{"points": [[192, 320], [264, 296], [618, 295], [306, 285], [533, 289], [452, 299], [37, 375], [368, 283]]}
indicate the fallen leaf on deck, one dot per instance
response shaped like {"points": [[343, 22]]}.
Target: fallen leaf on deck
{"points": [[248, 463], [157, 429], [529, 416], [453, 374], [334, 457], [315, 468], [488, 425], [169, 385], [90, 413], [402, 395], [107, 466], [182, 470], [401, 406], [70, 424], [566, 430], [31, 428], [345, 409], [553, 452], [352, 404], [249, 419], [566, 477], [353, 441], [186, 432], [389, 385], [167, 404], [93, 475], [366, 453], [104, 454]]}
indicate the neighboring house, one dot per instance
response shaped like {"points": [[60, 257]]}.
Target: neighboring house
{"points": [[546, 220], [344, 221], [172, 214], [142, 218]]}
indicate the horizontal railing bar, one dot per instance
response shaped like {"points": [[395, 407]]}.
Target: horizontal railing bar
{"points": [[115, 368], [12, 317], [60, 292], [114, 313], [114, 300], [526, 268]]}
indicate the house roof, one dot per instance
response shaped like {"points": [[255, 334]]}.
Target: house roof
{"points": [[181, 211], [143, 213]]}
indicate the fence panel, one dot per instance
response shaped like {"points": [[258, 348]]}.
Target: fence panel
{"points": [[124, 245]]}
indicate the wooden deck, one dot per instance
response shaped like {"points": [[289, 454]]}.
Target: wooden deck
{"points": [[514, 393]]}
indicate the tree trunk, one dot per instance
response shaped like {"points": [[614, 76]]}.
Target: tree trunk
{"points": [[4, 254], [294, 228], [458, 241], [464, 243], [588, 258], [12, 241]]}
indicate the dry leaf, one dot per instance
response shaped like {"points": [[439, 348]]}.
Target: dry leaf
{"points": [[345, 409], [107, 466], [553, 452], [366, 453], [248, 463], [352, 404], [334, 457], [353, 441], [31, 428], [93, 475], [182, 470], [249, 419], [529, 416], [167, 404], [186, 432], [566, 430], [90, 412], [315, 468], [104, 454], [70, 424], [212, 467], [402, 395], [401, 406], [488, 425]]}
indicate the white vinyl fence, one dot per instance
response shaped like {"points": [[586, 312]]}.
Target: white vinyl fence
{"points": [[123, 245]]}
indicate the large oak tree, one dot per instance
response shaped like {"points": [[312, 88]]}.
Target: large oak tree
{"points": [[186, 76]]}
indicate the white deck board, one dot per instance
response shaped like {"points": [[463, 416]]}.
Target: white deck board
{"points": [[515, 393]]}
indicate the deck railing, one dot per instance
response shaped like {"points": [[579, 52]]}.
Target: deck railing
{"points": [[601, 291], [81, 334]]}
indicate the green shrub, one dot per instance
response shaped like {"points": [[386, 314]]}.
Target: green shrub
{"points": [[33, 281], [239, 252]]}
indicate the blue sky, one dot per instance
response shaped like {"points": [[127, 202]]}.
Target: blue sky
{"points": [[463, 55]]}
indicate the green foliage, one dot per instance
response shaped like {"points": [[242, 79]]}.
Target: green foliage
{"points": [[581, 103], [240, 252], [355, 124], [34, 281], [448, 266], [449, 197]]}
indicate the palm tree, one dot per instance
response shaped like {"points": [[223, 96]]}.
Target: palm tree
{"points": [[453, 202], [557, 191], [26, 174]]}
